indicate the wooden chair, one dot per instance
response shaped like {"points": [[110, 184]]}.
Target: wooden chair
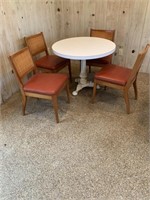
{"points": [[39, 85], [119, 77], [52, 63], [101, 62]]}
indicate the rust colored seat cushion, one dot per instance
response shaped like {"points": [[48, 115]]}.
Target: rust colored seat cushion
{"points": [[114, 74], [99, 61], [46, 83], [52, 62]]}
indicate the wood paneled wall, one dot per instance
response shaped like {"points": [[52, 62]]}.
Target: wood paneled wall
{"points": [[67, 18]]}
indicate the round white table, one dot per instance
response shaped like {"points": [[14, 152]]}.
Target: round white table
{"points": [[83, 48]]}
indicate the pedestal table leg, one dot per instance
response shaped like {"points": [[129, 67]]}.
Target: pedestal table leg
{"points": [[83, 78]]}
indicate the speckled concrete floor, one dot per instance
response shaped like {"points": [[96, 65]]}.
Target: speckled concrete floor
{"points": [[96, 152]]}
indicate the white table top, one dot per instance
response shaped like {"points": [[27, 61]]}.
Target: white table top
{"points": [[83, 48]]}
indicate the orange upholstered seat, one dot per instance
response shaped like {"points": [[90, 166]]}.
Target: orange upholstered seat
{"points": [[48, 62], [51, 62], [44, 83], [106, 34], [114, 74], [120, 77], [39, 85]]}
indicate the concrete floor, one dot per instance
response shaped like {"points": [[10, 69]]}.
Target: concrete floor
{"points": [[96, 152]]}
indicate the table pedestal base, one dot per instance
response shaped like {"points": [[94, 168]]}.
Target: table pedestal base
{"points": [[80, 86], [82, 81]]}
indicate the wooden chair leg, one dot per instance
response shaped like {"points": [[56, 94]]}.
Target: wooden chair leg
{"points": [[67, 91], [55, 105], [24, 102], [135, 89], [94, 92], [69, 69], [126, 97]]}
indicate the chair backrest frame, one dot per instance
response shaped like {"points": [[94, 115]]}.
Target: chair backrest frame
{"points": [[106, 34], [22, 64], [36, 44], [137, 65]]}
